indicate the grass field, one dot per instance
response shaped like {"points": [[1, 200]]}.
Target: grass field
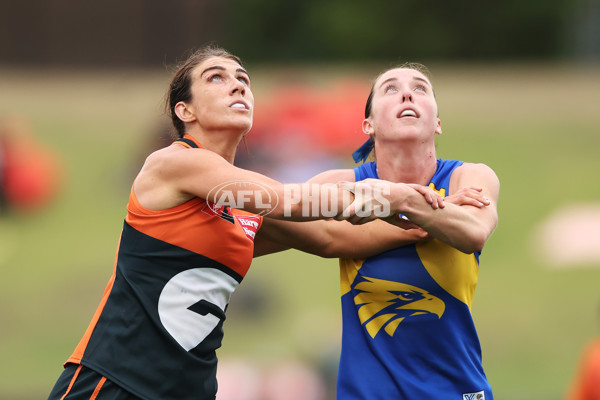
{"points": [[535, 125]]}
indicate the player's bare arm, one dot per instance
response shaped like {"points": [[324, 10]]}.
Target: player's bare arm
{"points": [[176, 174], [466, 227], [329, 238]]}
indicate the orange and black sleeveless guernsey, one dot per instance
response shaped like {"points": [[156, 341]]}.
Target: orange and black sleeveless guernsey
{"points": [[161, 317]]}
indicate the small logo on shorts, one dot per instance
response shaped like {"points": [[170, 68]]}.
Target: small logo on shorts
{"points": [[474, 396]]}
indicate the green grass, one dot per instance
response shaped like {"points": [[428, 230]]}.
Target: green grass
{"points": [[535, 125]]}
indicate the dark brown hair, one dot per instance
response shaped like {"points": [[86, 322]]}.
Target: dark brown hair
{"points": [[179, 89]]}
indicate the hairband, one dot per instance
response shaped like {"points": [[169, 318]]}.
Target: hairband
{"points": [[363, 151]]}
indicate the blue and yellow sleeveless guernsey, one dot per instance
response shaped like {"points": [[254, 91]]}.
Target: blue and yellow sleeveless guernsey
{"points": [[408, 333], [160, 320]]}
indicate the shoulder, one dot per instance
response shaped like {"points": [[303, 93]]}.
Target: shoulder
{"points": [[177, 159], [333, 176], [168, 174], [469, 169], [475, 174]]}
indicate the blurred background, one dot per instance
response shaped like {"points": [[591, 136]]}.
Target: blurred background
{"points": [[82, 87]]}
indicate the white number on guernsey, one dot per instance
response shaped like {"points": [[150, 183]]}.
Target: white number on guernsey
{"points": [[184, 290]]}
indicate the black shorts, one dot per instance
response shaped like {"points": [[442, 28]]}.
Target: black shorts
{"points": [[80, 383]]}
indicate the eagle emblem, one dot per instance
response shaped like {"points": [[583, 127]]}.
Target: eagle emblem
{"points": [[385, 304]]}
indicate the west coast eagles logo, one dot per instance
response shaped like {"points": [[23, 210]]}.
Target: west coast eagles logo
{"points": [[385, 304]]}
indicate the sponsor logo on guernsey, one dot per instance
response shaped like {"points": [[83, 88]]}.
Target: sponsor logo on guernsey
{"points": [[385, 304], [249, 224], [474, 396]]}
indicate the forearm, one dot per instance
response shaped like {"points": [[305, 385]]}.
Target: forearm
{"points": [[308, 201], [375, 237], [263, 246], [465, 228], [332, 239], [278, 235]]}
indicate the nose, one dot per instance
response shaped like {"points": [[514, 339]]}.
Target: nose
{"points": [[407, 96], [238, 87]]}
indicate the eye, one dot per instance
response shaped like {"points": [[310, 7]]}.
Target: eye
{"points": [[390, 89], [408, 296], [421, 88], [244, 80], [215, 78]]}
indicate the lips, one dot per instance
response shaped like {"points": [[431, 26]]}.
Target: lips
{"points": [[408, 112], [240, 105]]}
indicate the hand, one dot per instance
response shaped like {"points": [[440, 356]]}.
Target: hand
{"points": [[431, 196], [469, 196], [420, 235], [371, 201]]}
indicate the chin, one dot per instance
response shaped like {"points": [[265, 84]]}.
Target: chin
{"points": [[245, 128], [241, 126]]}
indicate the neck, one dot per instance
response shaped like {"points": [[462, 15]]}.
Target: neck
{"points": [[223, 143], [406, 163]]}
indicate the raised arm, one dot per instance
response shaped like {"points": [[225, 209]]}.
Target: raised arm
{"points": [[330, 238], [174, 175], [466, 227]]}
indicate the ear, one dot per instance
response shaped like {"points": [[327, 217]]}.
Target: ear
{"points": [[184, 113], [367, 128], [438, 127]]}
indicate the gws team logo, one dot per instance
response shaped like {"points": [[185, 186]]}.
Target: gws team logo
{"points": [[192, 304], [474, 396], [385, 304]]}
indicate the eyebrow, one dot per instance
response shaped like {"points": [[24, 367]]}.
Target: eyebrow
{"points": [[416, 78], [217, 67]]}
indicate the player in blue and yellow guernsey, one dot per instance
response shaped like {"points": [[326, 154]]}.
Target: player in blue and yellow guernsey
{"points": [[182, 253], [407, 330], [407, 326]]}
